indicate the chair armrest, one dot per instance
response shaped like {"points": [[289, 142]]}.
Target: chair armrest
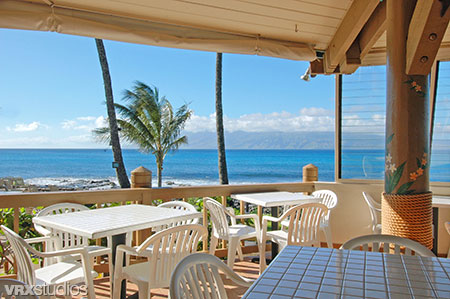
{"points": [[271, 218], [251, 216], [128, 250], [41, 239], [63, 252]]}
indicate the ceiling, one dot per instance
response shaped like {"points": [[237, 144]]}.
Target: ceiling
{"points": [[290, 29]]}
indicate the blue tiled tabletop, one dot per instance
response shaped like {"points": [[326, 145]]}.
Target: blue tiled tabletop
{"points": [[309, 272]]}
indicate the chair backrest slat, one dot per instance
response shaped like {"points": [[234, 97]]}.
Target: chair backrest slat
{"points": [[388, 242], [304, 222], [66, 240], [169, 247], [197, 276], [218, 217], [25, 271], [177, 205]]}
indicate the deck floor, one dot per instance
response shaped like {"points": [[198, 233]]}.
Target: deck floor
{"points": [[245, 268]]}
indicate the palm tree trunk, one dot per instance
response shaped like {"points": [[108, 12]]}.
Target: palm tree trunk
{"points": [[223, 173], [114, 129], [159, 168]]}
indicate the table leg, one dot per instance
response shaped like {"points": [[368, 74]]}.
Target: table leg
{"points": [[274, 212], [118, 240], [435, 230]]}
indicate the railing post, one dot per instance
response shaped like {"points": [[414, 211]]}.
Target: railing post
{"points": [[141, 177], [310, 173]]}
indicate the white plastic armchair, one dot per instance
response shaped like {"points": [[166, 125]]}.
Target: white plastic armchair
{"points": [[6, 283], [68, 240], [303, 228], [234, 232], [447, 227], [387, 243], [329, 198], [197, 277], [66, 271], [178, 205], [167, 248], [375, 210]]}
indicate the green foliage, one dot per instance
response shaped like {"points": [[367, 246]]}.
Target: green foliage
{"points": [[26, 227], [149, 122]]}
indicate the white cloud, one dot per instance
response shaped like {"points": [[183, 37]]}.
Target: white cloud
{"points": [[27, 127], [84, 123], [86, 118], [308, 119]]}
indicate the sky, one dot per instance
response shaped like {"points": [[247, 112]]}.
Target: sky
{"points": [[52, 94]]}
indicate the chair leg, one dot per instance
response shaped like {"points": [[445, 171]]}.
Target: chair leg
{"points": [[327, 231], [232, 246], [144, 291], [239, 251], [111, 269], [262, 255], [213, 245], [117, 286]]}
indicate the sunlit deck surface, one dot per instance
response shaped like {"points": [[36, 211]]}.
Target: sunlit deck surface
{"points": [[245, 268]]}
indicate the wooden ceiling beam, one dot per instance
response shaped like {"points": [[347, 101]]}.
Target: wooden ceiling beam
{"points": [[355, 19], [426, 31], [369, 35], [317, 68]]}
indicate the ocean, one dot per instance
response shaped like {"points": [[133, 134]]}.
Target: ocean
{"points": [[92, 168], [79, 167]]}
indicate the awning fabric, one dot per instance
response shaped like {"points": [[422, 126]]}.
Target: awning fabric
{"points": [[42, 17]]}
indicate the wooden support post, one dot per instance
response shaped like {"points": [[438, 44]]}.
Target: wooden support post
{"points": [[406, 206], [16, 219], [141, 177]]}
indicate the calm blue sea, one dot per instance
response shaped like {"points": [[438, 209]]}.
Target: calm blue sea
{"points": [[197, 167], [192, 167]]}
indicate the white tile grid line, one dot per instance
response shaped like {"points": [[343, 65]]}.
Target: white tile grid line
{"points": [[325, 273]]}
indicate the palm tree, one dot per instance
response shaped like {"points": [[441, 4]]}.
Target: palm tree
{"points": [[113, 128], [150, 122], [223, 173]]}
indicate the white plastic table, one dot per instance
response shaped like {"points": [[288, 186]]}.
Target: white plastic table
{"points": [[438, 201], [273, 200], [114, 221], [311, 272]]}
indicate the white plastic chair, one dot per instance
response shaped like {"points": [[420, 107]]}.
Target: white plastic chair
{"points": [[168, 247], [375, 210], [197, 277], [303, 228], [177, 205], [68, 240], [234, 233], [6, 283], [329, 198], [61, 273], [447, 226], [387, 243]]}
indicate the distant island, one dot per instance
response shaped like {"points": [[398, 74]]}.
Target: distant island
{"points": [[262, 140]]}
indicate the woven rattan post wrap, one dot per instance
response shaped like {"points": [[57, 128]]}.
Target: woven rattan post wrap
{"points": [[408, 216]]}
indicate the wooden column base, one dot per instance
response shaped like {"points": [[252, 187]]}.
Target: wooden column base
{"points": [[408, 216]]}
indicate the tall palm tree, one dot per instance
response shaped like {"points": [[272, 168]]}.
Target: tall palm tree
{"points": [[223, 173], [113, 128], [150, 122]]}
